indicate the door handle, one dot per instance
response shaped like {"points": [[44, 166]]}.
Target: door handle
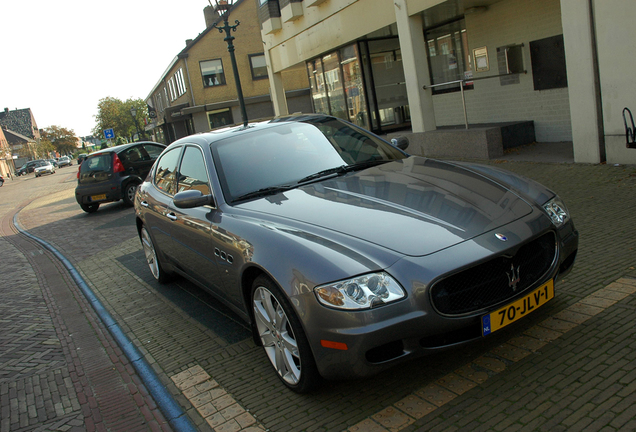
{"points": [[171, 216], [144, 203]]}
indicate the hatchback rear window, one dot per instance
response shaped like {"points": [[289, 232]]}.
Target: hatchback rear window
{"points": [[96, 168]]}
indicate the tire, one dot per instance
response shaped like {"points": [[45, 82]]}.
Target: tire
{"points": [[152, 259], [282, 337], [129, 193], [89, 208]]}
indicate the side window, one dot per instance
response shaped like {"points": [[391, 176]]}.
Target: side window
{"points": [[153, 150], [165, 171], [132, 155], [192, 173]]}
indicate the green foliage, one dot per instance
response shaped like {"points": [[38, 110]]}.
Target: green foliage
{"points": [[114, 113], [59, 139]]}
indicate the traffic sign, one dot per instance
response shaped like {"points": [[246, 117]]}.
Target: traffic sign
{"points": [[109, 133]]}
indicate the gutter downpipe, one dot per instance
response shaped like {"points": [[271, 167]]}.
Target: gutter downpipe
{"points": [[597, 85]]}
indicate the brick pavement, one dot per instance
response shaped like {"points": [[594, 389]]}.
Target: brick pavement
{"points": [[59, 368], [583, 379]]}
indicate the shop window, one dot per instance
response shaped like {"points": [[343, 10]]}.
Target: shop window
{"points": [[448, 55], [258, 66], [212, 73], [220, 118]]}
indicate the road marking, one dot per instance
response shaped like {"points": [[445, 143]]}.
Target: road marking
{"points": [[434, 395], [222, 412]]}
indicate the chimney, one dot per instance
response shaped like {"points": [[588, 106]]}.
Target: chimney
{"points": [[210, 16]]}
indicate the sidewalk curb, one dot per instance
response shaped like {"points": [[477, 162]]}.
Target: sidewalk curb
{"points": [[175, 415]]}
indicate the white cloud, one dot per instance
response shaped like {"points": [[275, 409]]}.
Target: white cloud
{"points": [[59, 58]]}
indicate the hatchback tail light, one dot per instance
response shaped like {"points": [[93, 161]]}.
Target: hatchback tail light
{"points": [[78, 170], [117, 165]]}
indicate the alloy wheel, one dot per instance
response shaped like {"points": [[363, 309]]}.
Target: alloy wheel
{"points": [[277, 335], [149, 251]]}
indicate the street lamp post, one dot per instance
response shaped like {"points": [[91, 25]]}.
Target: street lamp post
{"points": [[133, 113], [223, 7]]}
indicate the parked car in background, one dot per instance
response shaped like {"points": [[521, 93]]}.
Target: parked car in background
{"points": [[345, 254], [53, 162], [114, 173], [45, 167], [28, 167], [64, 161], [81, 157]]}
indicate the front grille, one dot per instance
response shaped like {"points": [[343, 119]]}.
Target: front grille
{"points": [[488, 284]]}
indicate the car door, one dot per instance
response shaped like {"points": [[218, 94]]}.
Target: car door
{"points": [[192, 228], [158, 199]]}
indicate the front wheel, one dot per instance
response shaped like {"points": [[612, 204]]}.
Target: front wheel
{"points": [[151, 258], [282, 337], [129, 194]]}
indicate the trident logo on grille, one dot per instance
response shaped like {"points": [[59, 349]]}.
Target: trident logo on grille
{"points": [[513, 277]]}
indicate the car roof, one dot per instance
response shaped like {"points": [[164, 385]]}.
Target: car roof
{"points": [[122, 147]]}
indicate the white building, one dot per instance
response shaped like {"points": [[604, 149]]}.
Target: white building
{"points": [[562, 66]]}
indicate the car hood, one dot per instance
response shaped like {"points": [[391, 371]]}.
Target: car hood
{"points": [[415, 206]]}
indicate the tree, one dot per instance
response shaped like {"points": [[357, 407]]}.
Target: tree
{"points": [[59, 139], [115, 114]]}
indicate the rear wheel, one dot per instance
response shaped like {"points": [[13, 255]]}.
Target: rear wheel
{"points": [[129, 193], [151, 257], [282, 337], [89, 208]]}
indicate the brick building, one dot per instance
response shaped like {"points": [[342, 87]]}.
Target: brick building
{"points": [[198, 91], [397, 65]]}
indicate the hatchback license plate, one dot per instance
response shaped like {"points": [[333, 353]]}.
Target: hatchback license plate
{"points": [[98, 197], [518, 309]]}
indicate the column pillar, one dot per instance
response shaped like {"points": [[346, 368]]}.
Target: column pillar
{"points": [[415, 63]]}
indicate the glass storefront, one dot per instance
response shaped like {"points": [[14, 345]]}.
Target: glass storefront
{"points": [[338, 81], [448, 55]]}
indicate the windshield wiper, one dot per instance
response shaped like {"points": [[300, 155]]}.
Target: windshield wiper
{"points": [[342, 169], [324, 173], [271, 190]]}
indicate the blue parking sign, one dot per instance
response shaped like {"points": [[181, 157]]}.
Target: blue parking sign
{"points": [[109, 133]]}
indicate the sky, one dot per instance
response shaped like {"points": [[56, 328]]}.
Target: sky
{"points": [[59, 58]]}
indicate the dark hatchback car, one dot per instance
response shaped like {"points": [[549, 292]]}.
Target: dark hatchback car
{"points": [[345, 254], [114, 173], [29, 167]]}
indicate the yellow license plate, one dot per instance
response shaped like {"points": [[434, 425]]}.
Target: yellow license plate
{"points": [[98, 197], [518, 309]]}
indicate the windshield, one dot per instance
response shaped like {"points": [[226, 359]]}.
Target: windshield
{"points": [[96, 168], [283, 154]]}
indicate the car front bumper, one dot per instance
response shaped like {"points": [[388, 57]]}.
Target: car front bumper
{"points": [[379, 338]]}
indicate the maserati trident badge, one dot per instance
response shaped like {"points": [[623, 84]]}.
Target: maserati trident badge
{"points": [[513, 277]]}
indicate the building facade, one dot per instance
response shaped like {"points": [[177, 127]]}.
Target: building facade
{"points": [[423, 65], [198, 91]]}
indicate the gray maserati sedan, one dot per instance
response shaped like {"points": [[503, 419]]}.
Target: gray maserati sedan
{"points": [[345, 254]]}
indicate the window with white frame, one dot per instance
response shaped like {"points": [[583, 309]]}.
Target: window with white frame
{"points": [[212, 73], [172, 89], [181, 87]]}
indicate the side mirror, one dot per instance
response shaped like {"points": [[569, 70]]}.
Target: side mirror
{"points": [[192, 198], [400, 142]]}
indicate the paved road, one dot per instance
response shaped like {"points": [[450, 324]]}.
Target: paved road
{"points": [[571, 366]]}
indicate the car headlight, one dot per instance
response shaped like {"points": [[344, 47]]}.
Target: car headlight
{"points": [[558, 212], [362, 292]]}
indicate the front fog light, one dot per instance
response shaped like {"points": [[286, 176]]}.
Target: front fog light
{"points": [[362, 292], [558, 212]]}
